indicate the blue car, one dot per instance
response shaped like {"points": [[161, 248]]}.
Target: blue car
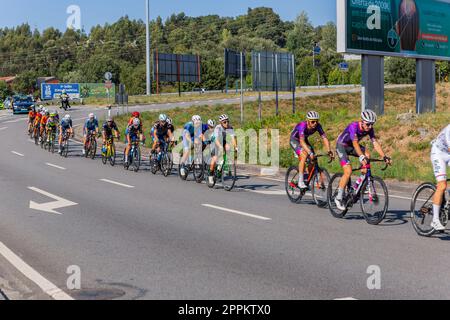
{"points": [[22, 104]]}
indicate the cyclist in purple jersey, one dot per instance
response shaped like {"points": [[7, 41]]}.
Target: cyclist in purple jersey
{"points": [[348, 145], [301, 146]]}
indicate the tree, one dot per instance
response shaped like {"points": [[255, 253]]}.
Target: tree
{"points": [[300, 39], [5, 91], [25, 82], [400, 70]]}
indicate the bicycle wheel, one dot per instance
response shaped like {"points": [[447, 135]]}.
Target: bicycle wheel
{"points": [[136, 159], [422, 210], [105, 155], [215, 174], [112, 155], [331, 196], [374, 200], [229, 176], [65, 151], [36, 139], [93, 149], [294, 194], [154, 165], [198, 170], [319, 186], [166, 164], [52, 143]]}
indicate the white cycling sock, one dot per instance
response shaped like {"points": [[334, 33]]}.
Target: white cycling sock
{"points": [[436, 212], [340, 194]]}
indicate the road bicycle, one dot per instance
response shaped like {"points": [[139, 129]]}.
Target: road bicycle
{"points": [[36, 134], [49, 142], [91, 146], [195, 164], [110, 154], [371, 192], [422, 209], [162, 161], [316, 181], [224, 171], [134, 156], [65, 144]]}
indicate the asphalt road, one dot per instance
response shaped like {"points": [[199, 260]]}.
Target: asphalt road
{"points": [[139, 236]]}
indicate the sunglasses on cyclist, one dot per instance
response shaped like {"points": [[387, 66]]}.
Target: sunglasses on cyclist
{"points": [[369, 124], [313, 121], [226, 121]]}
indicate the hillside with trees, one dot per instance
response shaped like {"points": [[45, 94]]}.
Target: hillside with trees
{"points": [[80, 56]]}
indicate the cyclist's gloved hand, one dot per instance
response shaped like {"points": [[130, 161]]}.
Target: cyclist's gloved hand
{"points": [[387, 160], [363, 160]]}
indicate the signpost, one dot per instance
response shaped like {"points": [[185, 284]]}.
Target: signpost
{"points": [[316, 52], [343, 66]]}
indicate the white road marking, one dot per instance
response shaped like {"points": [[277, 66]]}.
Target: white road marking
{"points": [[237, 212], [50, 206], [46, 286], [117, 183], [4, 128], [343, 299], [268, 192], [14, 121], [17, 154], [55, 166]]}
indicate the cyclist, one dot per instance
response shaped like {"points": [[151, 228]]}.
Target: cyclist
{"points": [[192, 135], [65, 99], [31, 117], [90, 127], [133, 133], [348, 145], [44, 119], [302, 147], [65, 127], [134, 115], [440, 157], [109, 131], [220, 143], [51, 125], [37, 123], [170, 126], [161, 134]]}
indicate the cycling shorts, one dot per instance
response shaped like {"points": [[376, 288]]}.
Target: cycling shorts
{"points": [[297, 147], [345, 151], [440, 161]]}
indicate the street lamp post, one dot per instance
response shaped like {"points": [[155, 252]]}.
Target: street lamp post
{"points": [[149, 83]]}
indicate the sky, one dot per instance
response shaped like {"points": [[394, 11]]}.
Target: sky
{"points": [[52, 13]]}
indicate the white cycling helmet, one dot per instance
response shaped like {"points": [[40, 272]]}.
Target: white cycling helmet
{"points": [[196, 118], [223, 118], [163, 117], [169, 121], [211, 123], [91, 116], [369, 116], [136, 123], [313, 115], [67, 117]]}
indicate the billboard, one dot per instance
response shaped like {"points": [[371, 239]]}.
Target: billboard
{"points": [[96, 90], [273, 71], [402, 28], [50, 91], [233, 64], [176, 68]]}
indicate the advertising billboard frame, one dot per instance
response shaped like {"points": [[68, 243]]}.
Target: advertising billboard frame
{"points": [[342, 39]]}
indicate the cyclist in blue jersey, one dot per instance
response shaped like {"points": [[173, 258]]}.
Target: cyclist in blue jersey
{"points": [[192, 135], [65, 126], [90, 127]]}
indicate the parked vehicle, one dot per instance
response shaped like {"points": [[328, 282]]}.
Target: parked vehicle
{"points": [[22, 104]]}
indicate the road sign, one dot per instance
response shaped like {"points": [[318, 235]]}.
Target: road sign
{"points": [[343, 66], [108, 84], [50, 91], [108, 76]]}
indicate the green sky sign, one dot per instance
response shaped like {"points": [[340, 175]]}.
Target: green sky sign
{"points": [[408, 28]]}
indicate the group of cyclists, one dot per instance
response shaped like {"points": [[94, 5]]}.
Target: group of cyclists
{"points": [[195, 134], [348, 144]]}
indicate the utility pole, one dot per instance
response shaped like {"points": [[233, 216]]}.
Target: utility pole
{"points": [[149, 81]]}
